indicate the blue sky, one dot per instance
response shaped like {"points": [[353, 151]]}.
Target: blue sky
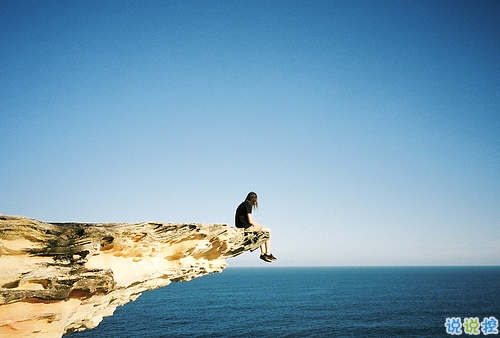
{"points": [[369, 129]]}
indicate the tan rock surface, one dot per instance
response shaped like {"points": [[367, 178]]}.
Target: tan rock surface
{"points": [[56, 278]]}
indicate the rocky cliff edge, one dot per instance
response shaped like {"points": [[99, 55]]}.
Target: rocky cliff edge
{"points": [[56, 278]]}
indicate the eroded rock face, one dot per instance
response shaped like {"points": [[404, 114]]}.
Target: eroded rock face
{"points": [[57, 278]]}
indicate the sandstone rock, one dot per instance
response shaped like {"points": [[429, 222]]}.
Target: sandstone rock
{"points": [[56, 278]]}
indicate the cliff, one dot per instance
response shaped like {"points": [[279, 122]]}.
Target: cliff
{"points": [[56, 278]]}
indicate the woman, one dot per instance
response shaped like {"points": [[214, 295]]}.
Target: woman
{"points": [[244, 219]]}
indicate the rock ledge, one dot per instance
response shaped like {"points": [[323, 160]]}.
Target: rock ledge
{"points": [[56, 278]]}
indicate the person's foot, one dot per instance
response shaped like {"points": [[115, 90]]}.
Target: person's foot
{"points": [[271, 257], [266, 258]]}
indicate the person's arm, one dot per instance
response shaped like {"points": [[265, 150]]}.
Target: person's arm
{"points": [[252, 221]]}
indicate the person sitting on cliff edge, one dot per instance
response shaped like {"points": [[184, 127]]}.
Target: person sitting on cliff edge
{"points": [[244, 219]]}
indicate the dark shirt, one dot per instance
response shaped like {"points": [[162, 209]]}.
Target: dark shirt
{"points": [[241, 218]]}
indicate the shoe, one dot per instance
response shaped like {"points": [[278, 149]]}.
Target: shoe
{"points": [[271, 257], [265, 258]]}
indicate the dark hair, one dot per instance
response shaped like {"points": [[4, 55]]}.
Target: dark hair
{"points": [[252, 199]]}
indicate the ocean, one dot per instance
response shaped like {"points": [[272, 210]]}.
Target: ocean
{"points": [[314, 302]]}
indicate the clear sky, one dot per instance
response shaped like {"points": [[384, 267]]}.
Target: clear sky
{"points": [[369, 129]]}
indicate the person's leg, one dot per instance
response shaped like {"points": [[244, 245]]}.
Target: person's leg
{"points": [[267, 244], [257, 228], [265, 249], [254, 228]]}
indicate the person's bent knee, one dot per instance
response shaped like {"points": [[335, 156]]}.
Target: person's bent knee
{"points": [[254, 228]]}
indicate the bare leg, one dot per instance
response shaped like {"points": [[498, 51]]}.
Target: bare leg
{"points": [[267, 244], [267, 247]]}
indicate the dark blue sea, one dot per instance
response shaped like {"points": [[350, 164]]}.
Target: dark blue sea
{"points": [[311, 302]]}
